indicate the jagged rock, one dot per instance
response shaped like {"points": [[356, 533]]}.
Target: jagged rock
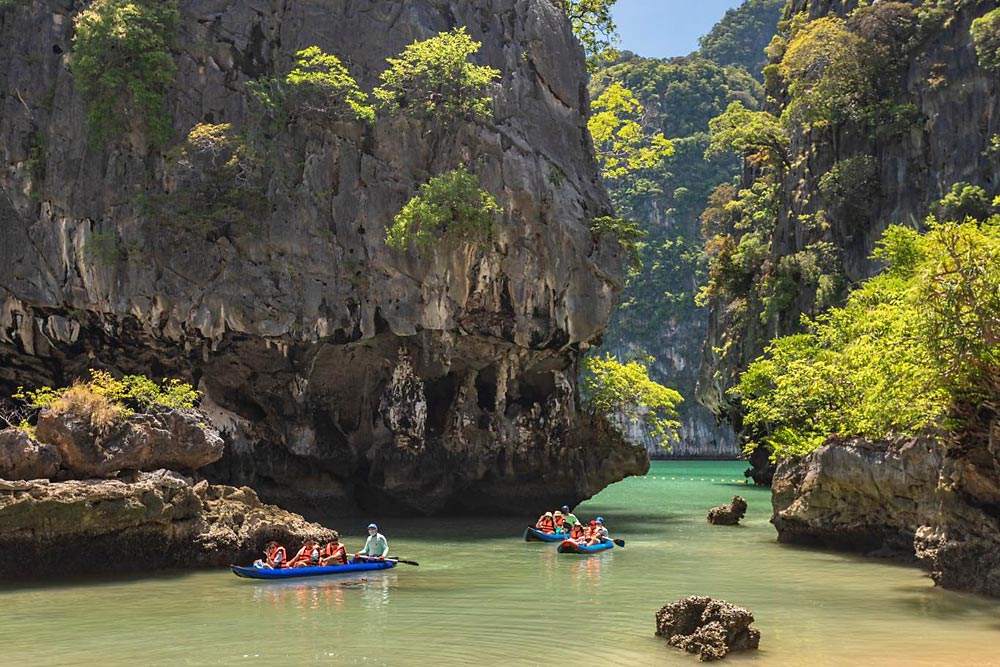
{"points": [[858, 495], [710, 628], [23, 457], [728, 515], [177, 439], [148, 521], [293, 324]]}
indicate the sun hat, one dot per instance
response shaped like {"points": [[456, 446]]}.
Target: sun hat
{"points": [[558, 513], [548, 514]]}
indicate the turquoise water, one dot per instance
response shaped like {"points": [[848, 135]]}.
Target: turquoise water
{"points": [[481, 596]]}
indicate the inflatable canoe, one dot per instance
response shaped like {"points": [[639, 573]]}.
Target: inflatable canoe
{"points": [[298, 572], [534, 535], [571, 547]]}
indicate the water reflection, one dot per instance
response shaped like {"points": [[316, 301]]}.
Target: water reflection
{"points": [[323, 594]]}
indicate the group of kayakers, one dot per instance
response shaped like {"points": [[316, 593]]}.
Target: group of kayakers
{"points": [[312, 554], [564, 522]]}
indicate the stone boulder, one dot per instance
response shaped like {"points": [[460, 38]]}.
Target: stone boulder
{"points": [[143, 522], [176, 439], [23, 457], [728, 515], [710, 628]]}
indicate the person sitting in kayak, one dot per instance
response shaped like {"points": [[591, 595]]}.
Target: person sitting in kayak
{"points": [[274, 557], [597, 532], [376, 546], [334, 553], [605, 535], [568, 516], [576, 532], [307, 556], [559, 523], [546, 523]]}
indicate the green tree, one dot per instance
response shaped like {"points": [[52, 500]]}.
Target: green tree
{"points": [[963, 201], [434, 79], [757, 136], [322, 88], [986, 37], [621, 144], [595, 28], [742, 35], [624, 394], [121, 62], [450, 209]]}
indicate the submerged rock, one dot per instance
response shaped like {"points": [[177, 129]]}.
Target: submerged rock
{"points": [[728, 515], [177, 439], [148, 521], [23, 457], [710, 628]]}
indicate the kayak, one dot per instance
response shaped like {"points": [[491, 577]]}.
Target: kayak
{"points": [[535, 535], [297, 572], [571, 547]]}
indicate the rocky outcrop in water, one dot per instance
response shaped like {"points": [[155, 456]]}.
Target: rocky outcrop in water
{"points": [[728, 515], [709, 628], [341, 373], [143, 521], [935, 499]]}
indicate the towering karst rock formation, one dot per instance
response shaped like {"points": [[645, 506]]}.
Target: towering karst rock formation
{"points": [[341, 373]]}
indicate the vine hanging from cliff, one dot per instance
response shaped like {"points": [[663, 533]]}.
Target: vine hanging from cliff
{"points": [[122, 63]]}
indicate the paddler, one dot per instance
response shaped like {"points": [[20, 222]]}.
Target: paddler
{"points": [[546, 523], [375, 547], [307, 556], [593, 534], [568, 516]]}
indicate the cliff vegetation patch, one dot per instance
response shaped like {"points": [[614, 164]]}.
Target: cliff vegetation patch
{"points": [[121, 62]]}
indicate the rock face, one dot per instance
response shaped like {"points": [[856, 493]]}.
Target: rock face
{"points": [[858, 495], [710, 628], [932, 498], [176, 439], [342, 373], [23, 457], [728, 515], [148, 521]]}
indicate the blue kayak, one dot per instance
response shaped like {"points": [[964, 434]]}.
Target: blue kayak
{"points": [[297, 572], [535, 535], [571, 547]]}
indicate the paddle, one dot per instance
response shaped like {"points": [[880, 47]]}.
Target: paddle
{"points": [[619, 543], [398, 560]]}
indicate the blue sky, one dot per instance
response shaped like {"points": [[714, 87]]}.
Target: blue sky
{"points": [[667, 28]]}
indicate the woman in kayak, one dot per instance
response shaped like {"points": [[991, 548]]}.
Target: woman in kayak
{"points": [[576, 532], [334, 553], [274, 557], [559, 522], [546, 523], [307, 556]]}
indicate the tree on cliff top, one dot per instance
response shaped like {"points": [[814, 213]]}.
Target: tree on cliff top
{"points": [[624, 394], [433, 79], [594, 26]]}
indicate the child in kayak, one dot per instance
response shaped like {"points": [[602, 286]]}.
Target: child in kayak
{"points": [[307, 556], [334, 553]]}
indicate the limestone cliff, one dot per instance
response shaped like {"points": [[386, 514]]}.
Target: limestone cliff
{"points": [[342, 374]]}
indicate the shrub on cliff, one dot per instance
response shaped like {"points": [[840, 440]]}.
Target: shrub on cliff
{"points": [[911, 349], [451, 208], [624, 394], [622, 145], [986, 36], [322, 88], [434, 80], [594, 27], [107, 400], [122, 63]]}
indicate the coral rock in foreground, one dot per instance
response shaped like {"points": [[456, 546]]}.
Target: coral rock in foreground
{"points": [[707, 627]]}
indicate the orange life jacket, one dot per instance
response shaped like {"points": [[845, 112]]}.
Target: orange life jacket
{"points": [[559, 521], [546, 525], [304, 554], [274, 553], [576, 531], [339, 551]]}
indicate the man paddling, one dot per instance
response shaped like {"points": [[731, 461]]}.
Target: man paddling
{"points": [[376, 546]]}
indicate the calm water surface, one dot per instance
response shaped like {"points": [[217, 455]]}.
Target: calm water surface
{"points": [[483, 597]]}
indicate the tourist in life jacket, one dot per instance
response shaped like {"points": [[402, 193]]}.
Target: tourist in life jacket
{"points": [[375, 547], [334, 553], [274, 557], [307, 556], [576, 532], [597, 533], [546, 523], [559, 522], [605, 535]]}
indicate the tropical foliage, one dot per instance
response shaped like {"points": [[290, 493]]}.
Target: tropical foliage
{"points": [[742, 35], [624, 393], [595, 27], [322, 87], [433, 79], [450, 209], [621, 143], [122, 64]]}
